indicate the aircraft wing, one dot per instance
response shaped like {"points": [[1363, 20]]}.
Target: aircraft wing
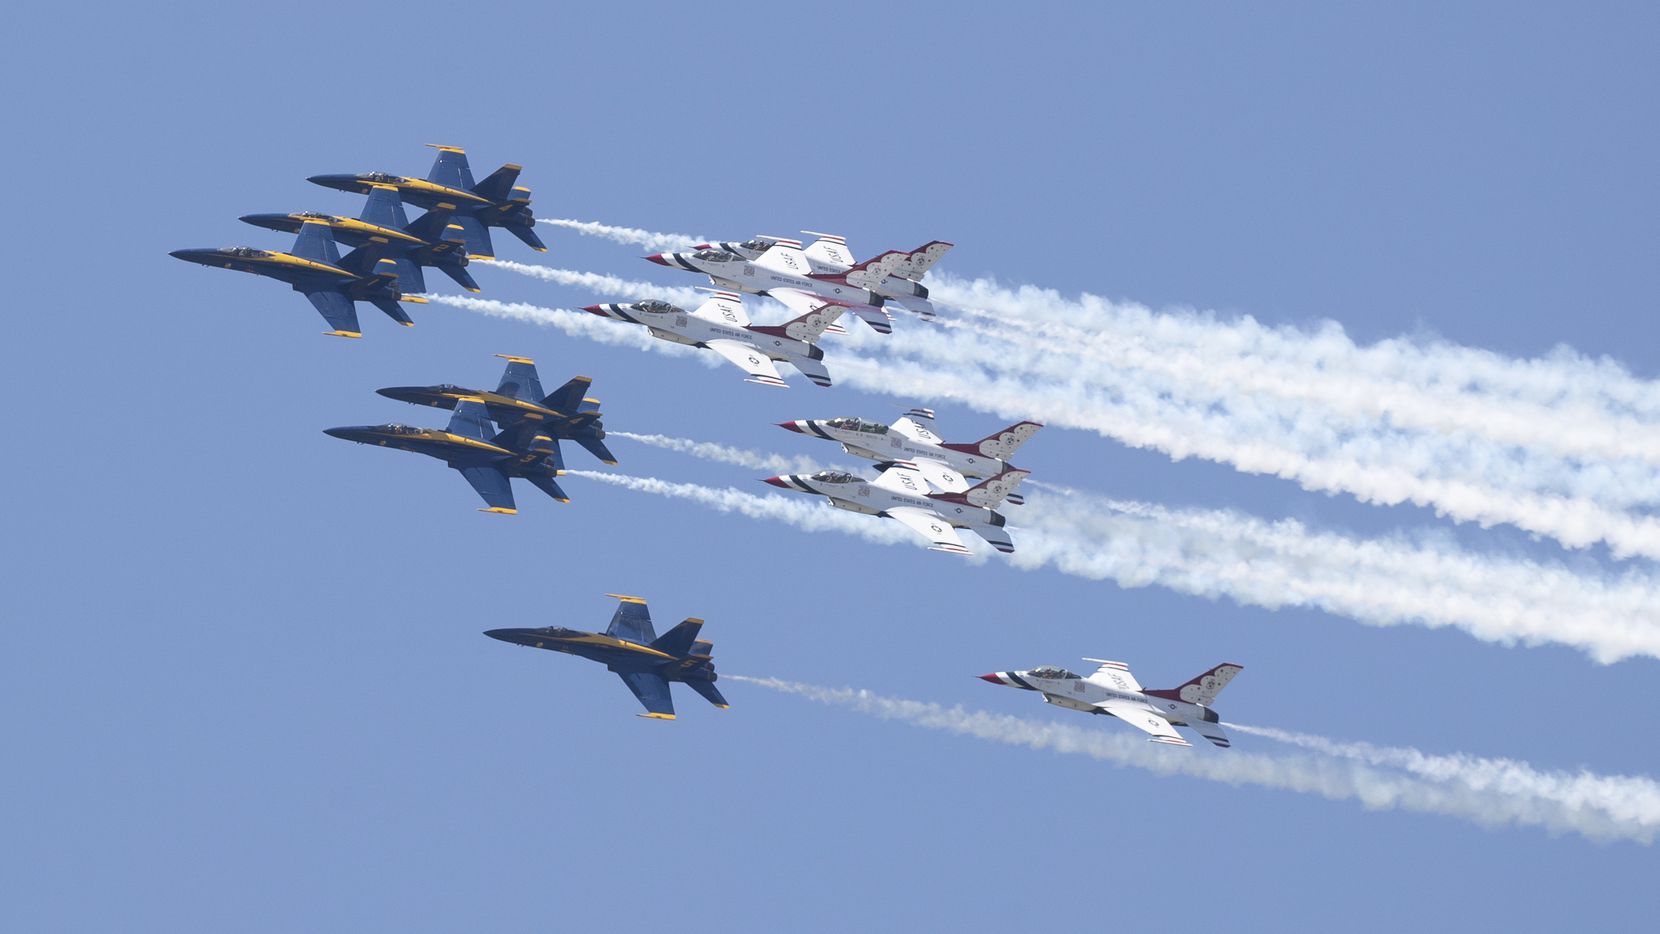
{"points": [[757, 364], [901, 479], [804, 303], [931, 527], [338, 310], [723, 308], [941, 476], [652, 691], [1143, 718], [911, 426], [493, 486]]}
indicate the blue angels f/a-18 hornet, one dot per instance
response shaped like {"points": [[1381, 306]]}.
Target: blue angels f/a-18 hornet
{"points": [[645, 661], [494, 202], [488, 459], [433, 240], [567, 413], [316, 269]]}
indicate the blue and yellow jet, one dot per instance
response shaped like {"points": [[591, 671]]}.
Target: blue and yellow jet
{"points": [[433, 240], [494, 202], [630, 647], [567, 413], [315, 268], [487, 458]]}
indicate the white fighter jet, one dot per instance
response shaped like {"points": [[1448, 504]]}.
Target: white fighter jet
{"points": [[721, 325], [784, 273], [829, 254], [1112, 690], [900, 493], [911, 441]]}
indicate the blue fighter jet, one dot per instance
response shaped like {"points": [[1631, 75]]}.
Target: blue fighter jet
{"points": [[316, 269], [494, 202], [567, 413], [433, 240], [487, 458], [632, 649]]}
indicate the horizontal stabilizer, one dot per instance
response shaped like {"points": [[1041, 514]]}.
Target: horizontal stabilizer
{"points": [[549, 486], [597, 448], [1212, 732], [709, 692]]}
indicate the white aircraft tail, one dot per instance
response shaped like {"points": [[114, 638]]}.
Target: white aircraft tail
{"points": [[988, 493], [829, 250], [922, 258]]}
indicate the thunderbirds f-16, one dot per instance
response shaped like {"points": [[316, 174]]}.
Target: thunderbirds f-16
{"points": [[721, 325], [646, 662], [899, 492], [829, 254], [316, 269], [487, 458], [494, 202], [783, 272], [911, 440], [1112, 690], [567, 413], [431, 241]]}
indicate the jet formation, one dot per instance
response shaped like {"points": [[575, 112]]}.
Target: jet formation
{"points": [[524, 443], [1113, 691], [646, 662], [385, 268], [931, 486]]}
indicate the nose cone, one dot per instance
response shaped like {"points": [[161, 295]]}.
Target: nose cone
{"points": [[993, 678], [416, 395], [658, 259], [193, 256], [777, 482], [505, 635], [798, 427], [351, 433], [339, 182], [268, 221], [595, 309]]}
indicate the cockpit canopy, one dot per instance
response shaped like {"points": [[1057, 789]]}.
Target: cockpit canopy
{"points": [[759, 244], [654, 306], [318, 215], [1052, 673], [382, 177], [396, 429], [717, 256], [850, 423], [246, 251], [835, 476]]}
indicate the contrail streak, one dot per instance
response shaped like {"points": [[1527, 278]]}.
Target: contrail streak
{"points": [[1597, 808], [1559, 447], [605, 288], [1220, 553], [628, 236], [1627, 798], [722, 453]]}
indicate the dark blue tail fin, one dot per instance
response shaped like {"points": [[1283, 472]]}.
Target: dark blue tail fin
{"points": [[316, 242], [498, 185], [569, 398], [520, 380], [471, 420], [433, 225], [384, 208], [450, 168], [678, 641]]}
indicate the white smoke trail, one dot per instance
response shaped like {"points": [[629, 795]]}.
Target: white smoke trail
{"points": [[1525, 445], [605, 288], [1598, 815], [1220, 553], [1628, 798], [722, 453], [628, 236]]}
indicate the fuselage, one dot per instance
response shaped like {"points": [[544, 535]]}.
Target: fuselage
{"points": [[1065, 689], [676, 325], [347, 230], [859, 495], [729, 270], [890, 287], [616, 654], [878, 442], [299, 272], [455, 450]]}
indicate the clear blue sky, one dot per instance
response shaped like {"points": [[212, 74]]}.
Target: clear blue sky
{"points": [[242, 683]]}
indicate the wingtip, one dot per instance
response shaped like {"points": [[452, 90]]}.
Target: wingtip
{"points": [[656, 716]]}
